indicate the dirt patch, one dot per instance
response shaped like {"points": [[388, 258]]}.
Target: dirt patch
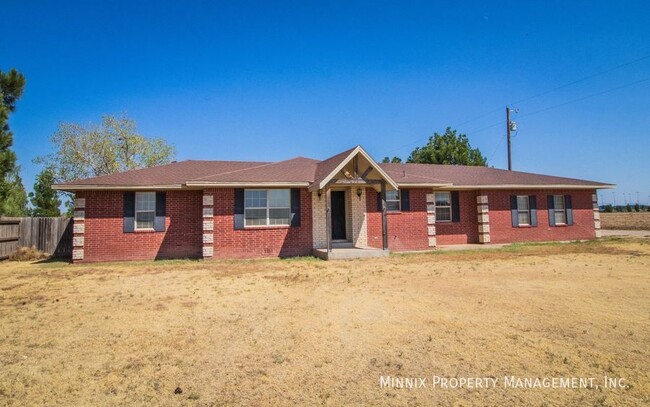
{"points": [[308, 332], [625, 220]]}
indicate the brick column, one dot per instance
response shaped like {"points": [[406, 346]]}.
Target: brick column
{"points": [[78, 229], [431, 219], [208, 225], [358, 216], [319, 218], [482, 208], [594, 200]]}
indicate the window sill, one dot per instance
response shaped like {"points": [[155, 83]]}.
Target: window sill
{"points": [[262, 227], [524, 226], [443, 222], [393, 212], [144, 231], [561, 225]]}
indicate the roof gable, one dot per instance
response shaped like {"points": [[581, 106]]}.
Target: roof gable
{"points": [[327, 169]]}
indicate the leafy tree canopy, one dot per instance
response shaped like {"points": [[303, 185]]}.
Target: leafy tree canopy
{"points": [[14, 201], [394, 160], [44, 199], [448, 148], [111, 147]]}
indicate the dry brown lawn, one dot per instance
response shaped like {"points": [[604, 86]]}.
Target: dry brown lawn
{"points": [[625, 220], [308, 332]]}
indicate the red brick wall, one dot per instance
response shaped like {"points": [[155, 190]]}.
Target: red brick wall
{"points": [[406, 230], [501, 230], [104, 239], [466, 230], [275, 241]]}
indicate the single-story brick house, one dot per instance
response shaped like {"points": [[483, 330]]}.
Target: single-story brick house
{"points": [[226, 209]]}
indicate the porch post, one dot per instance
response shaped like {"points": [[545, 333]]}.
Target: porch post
{"points": [[328, 216], [384, 223]]}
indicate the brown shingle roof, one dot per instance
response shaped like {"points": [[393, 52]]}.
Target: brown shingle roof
{"points": [[175, 173], [464, 176], [328, 165], [306, 171], [298, 169]]}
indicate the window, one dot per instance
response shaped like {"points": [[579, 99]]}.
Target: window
{"points": [[267, 207], [559, 209], [523, 209], [145, 210], [392, 200], [443, 206]]}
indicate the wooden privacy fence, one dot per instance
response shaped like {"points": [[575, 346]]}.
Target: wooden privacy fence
{"points": [[9, 237], [50, 235]]}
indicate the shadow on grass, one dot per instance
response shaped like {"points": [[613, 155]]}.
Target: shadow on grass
{"points": [[54, 260]]}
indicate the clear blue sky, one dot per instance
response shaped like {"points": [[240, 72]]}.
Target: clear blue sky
{"points": [[271, 80]]}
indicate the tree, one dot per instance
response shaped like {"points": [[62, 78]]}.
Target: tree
{"points": [[394, 160], [44, 199], [12, 193], [448, 148], [114, 146], [14, 202], [609, 208]]}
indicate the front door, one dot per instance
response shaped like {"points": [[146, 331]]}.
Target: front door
{"points": [[338, 215]]}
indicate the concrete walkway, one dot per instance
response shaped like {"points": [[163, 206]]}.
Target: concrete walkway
{"points": [[625, 233]]}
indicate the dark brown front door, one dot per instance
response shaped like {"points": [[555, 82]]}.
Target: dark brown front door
{"points": [[338, 215]]}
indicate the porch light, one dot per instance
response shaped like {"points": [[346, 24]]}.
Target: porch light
{"points": [[320, 192], [359, 192]]}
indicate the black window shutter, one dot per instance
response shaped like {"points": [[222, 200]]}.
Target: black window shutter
{"points": [[295, 207], [532, 202], [129, 212], [379, 208], [161, 208], [405, 205], [569, 209], [455, 207], [551, 210], [514, 213], [239, 208]]}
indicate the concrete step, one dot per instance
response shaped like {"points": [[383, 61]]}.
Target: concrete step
{"points": [[349, 253]]}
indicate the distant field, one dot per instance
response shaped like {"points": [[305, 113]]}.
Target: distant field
{"points": [[308, 332], [625, 221]]}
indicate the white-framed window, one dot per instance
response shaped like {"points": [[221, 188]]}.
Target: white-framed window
{"points": [[523, 210], [443, 206], [559, 210], [145, 210], [267, 207], [393, 202]]}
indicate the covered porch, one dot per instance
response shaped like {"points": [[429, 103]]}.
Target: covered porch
{"points": [[340, 207]]}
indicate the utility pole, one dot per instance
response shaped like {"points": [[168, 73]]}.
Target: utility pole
{"points": [[508, 133]]}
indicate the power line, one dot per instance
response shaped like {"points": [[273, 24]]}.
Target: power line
{"points": [[503, 137], [627, 85], [526, 99], [623, 65], [585, 78]]}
